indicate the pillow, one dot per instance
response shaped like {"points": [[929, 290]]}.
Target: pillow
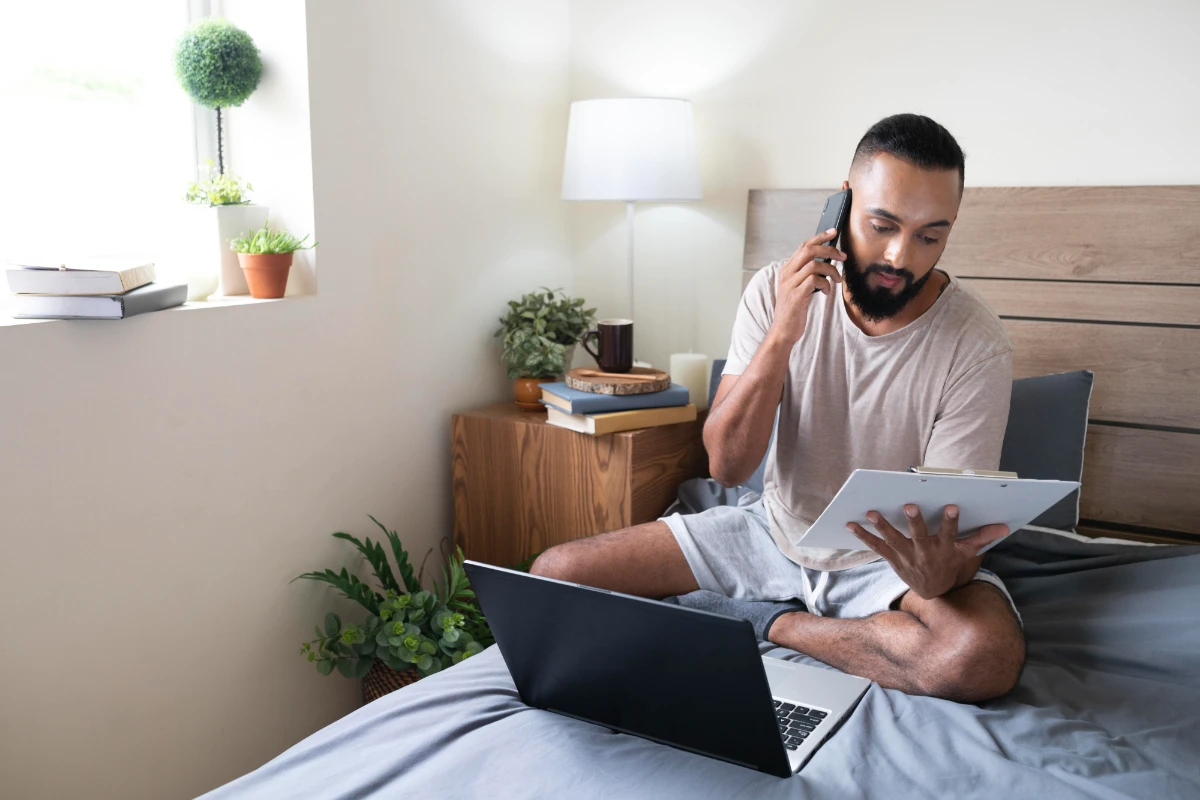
{"points": [[1047, 422]]}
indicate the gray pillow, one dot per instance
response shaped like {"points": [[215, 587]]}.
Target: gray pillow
{"points": [[1047, 422]]}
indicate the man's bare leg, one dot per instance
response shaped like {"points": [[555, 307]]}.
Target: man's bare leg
{"points": [[965, 645], [644, 560]]}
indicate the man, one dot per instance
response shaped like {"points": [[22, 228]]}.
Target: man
{"points": [[890, 364]]}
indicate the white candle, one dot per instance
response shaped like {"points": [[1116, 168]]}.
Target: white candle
{"points": [[691, 370]]}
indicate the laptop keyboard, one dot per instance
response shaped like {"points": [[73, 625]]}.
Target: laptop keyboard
{"points": [[797, 722]]}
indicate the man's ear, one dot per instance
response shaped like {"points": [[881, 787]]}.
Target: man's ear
{"points": [[845, 185]]}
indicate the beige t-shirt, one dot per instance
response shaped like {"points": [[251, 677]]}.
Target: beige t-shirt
{"points": [[934, 393]]}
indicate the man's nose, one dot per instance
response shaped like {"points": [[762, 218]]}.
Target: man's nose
{"points": [[899, 252]]}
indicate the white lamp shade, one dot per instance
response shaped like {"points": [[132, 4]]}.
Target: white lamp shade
{"points": [[638, 148]]}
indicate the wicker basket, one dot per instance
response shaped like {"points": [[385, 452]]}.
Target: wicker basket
{"points": [[382, 680]]}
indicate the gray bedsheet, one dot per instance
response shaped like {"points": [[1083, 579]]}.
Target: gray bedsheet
{"points": [[1108, 706]]}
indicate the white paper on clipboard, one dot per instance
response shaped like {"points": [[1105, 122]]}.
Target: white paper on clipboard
{"points": [[981, 501]]}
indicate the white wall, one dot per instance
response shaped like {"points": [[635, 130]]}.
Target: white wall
{"points": [[1037, 93], [163, 478]]}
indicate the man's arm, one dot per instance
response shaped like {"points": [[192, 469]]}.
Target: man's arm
{"points": [[738, 429]]}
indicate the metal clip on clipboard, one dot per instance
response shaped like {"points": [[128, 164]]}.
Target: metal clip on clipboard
{"points": [[979, 473]]}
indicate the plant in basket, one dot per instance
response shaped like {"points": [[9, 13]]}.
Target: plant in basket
{"points": [[408, 632]]}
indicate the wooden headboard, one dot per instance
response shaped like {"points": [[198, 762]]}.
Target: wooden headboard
{"points": [[1101, 278]]}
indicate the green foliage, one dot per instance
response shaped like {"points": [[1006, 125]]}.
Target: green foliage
{"points": [[537, 330], [218, 190], [217, 63], [264, 240], [406, 626]]}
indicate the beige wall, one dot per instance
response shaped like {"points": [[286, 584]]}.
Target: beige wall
{"points": [[1074, 92], [163, 478]]}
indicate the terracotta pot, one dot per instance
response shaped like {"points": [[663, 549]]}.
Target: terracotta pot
{"points": [[266, 273], [528, 391]]}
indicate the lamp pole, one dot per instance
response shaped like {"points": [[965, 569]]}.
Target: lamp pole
{"points": [[629, 226]]}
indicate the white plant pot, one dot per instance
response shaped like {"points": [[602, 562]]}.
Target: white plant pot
{"points": [[210, 231]]}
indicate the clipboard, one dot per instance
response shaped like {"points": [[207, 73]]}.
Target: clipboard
{"points": [[982, 499]]}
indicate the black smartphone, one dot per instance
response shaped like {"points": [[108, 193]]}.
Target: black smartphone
{"points": [[837, 209]]}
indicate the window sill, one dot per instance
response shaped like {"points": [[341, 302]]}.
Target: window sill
{"points": [[210, 303]]}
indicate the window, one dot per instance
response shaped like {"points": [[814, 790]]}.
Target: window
{"points": [[99, 140]]}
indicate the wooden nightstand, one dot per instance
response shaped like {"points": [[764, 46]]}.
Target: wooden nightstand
{"points": [[522, 485]]}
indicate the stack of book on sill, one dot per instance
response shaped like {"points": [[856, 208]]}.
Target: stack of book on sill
{"points": [[596, 414], [89, 289]]}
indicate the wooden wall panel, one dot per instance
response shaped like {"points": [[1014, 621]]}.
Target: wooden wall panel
{"points": [[1089, 233], [1148, 479], [1143, 375], [1149, 304]]}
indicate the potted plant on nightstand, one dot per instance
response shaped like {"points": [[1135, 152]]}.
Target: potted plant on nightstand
{"points": [[540, 333], [408, 632], [266, 259]]}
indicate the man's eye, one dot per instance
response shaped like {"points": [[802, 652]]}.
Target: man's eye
{"points": [[929, 240], [879, 228]]}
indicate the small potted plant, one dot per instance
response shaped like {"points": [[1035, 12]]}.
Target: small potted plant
{"points": [[266, 259], [408, 632], [222, 211], [218, 65], [540, 333]]}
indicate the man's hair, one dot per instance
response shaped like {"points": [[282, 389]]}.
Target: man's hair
{"points": [[914, 139]]}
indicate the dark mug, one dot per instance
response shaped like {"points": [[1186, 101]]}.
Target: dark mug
{"points": [[614, 351]]}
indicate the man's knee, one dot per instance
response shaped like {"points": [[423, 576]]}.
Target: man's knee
{"points": [[558, 562], [981, 660], [978, 647]]}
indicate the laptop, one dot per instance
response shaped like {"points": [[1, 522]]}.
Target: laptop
{"points": [[679, 676]]}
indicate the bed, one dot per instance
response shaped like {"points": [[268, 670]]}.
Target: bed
{"points": [[1109, 700]]}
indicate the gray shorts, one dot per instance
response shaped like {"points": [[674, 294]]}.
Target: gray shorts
{"points": [[731, 552]]}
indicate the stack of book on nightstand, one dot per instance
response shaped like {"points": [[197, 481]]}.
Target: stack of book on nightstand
{"points": [[106, 288], [596, 414]]}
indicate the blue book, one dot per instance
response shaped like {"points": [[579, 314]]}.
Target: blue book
{"points": [[573, 401]]}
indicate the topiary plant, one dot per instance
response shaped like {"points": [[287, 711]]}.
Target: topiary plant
{"points": [[218, 66], [537, 331]]}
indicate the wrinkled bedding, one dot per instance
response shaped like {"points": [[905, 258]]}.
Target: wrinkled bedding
{"points": [[1108, 706]]}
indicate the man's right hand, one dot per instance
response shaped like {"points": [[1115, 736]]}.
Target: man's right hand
{"points": [[798, 279]]}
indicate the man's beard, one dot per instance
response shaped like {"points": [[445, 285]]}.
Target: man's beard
{"points": [[878, 304]]}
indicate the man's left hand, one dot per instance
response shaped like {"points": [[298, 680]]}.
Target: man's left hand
{"points": [[930, 565]]}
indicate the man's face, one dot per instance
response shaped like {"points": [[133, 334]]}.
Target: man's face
{"points": [[900, 218]]}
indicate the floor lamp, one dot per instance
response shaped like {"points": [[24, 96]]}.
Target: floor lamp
{"points": [[631, 149]]}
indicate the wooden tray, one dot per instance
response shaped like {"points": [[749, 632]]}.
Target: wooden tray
{"points": [[619, 383]]}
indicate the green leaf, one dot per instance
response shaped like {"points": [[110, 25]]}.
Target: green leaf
{"points": [[346, 667], [362, 667], [349, 585], [425, 663], [325, 667], [333, 624], [373, 553], [407, 578]]}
